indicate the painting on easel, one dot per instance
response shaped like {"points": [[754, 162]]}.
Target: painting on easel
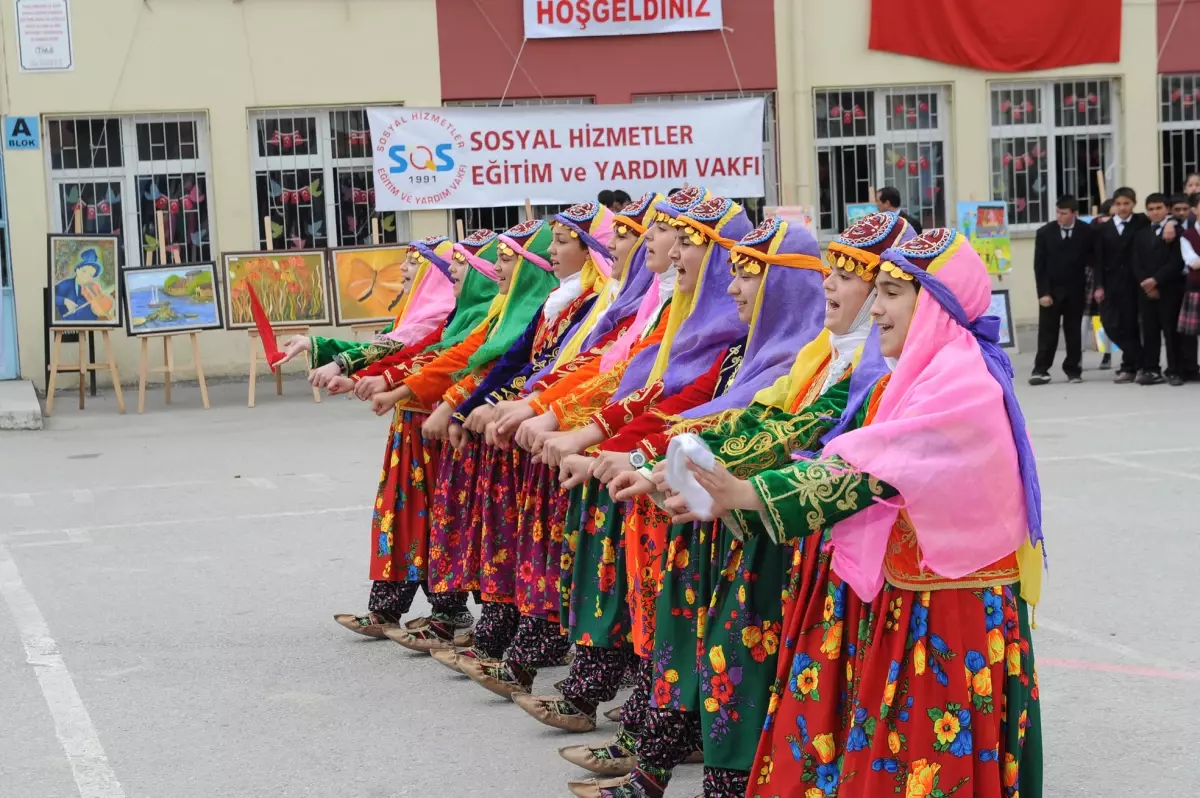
{"points": [[368, 283], [291, 284], [171, 299], [83, 280]]}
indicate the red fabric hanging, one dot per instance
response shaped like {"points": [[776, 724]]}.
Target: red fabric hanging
{"points": [[1009, 36], [265, 331]]}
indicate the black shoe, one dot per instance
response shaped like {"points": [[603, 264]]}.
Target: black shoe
{"points": [[1106, 362], [1075, 379], [1174, 380], [1124, 377], [1150, 378], [1039, 378]]}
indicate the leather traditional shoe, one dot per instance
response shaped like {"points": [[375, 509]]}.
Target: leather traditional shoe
{"points": [[593, 788], [497, 678], [369, 625], [613, 758], [555, 712], [614, 714]]}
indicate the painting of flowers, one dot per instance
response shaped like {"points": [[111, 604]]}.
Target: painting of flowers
{"points": [[291, 284]]}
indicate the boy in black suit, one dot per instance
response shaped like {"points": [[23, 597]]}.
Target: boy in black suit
{"points": [[1117, 290], [1062, 252], [1158, 268]]}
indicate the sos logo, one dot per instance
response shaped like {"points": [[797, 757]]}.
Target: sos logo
{"points": [[421, 158]]}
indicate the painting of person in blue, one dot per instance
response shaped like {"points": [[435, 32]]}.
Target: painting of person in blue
{"points": [[81, 297]]}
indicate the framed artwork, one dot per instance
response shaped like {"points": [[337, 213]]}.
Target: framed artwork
{"points": [[83, 281], [859, 210], [368, 283], [171, 299], [985, 224], [1001, 308], [291, 284]]}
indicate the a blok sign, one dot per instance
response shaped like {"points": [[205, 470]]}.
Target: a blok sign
{"points": [[554, 19], [21, 133]]}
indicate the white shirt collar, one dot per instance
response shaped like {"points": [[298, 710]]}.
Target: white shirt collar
{"points": [[567, 292]]}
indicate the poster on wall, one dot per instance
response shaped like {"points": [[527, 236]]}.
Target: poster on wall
{"points": [[558, 19], [439, 158], [44, 35], [1001, 308], [985, 224]]}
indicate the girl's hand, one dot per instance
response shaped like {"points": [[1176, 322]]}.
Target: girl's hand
{"points": [[319, 378], [573, 470], [437, 426], [367, 387], [458, 436], [510, 415], [295, 346], [608, 465], [629, 485], [339, 385], [381, 403], [528, 431]]}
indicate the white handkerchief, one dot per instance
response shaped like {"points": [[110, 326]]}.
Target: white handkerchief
{"points": [[682, 449]]}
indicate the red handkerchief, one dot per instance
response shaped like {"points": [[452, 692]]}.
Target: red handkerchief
{"points": [[265, 332]]}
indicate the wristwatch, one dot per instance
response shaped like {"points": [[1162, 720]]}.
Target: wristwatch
{"points": [[637, 459]]}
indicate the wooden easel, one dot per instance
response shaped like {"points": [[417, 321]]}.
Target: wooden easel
{"points": [[372, 329], [168, 368], [83, 365], [252, 334]]}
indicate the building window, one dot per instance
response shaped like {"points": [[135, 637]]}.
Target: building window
{"points": [[867, 139], [120, 172], [1179, 126], [501, 217], [312, 180], [1050, 140], [755, 206]]}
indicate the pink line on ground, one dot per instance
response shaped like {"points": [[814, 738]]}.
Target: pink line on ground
{"points": [[1130, 670]]}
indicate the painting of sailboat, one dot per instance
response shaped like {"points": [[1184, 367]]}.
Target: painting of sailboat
{"points": [[171, 299]]}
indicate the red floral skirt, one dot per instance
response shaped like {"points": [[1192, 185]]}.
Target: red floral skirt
{"points": [[499, 492], [917, 693], [540, 533], [455, 521], [400, 520]]}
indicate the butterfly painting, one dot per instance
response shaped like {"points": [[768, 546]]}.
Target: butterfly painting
{"points": [[369, 284]]}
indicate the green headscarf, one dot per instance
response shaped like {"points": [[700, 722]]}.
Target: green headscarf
{"points": [[478, 289], [530, 284]]}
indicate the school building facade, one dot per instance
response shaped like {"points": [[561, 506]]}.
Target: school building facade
{"points": [[225, 108]]}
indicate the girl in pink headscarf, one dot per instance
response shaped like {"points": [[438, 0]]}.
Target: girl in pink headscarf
{"points": [[907, 664]]}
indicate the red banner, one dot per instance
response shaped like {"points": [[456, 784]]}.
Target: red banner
{"points": [[1013, 36]]}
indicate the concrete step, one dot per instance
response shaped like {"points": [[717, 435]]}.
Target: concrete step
{"points": [[19, 405]]}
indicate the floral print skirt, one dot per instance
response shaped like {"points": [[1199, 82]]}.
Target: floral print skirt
{"points": [[681, 610], [400, 519], [540, 524], [645, 531], [930, 693], [498, 493], [455, 521], [742, 636], [594, 581]]}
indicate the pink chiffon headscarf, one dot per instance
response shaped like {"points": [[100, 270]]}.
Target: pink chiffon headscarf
{"points": [[430, 304], [941, 436]]}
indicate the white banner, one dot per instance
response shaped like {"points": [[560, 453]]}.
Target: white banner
{"points": [[426, 158], [555, 19]]}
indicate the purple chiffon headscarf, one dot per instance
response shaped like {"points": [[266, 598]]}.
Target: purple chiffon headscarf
{"points": [[713, 324], [791, 313]]}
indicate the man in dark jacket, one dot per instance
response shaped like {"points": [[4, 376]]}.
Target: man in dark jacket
{"points": [[1158, 269], [1062, 252], [1116, 289]]}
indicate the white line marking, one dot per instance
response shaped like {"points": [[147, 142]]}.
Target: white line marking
{"points": [[209, 519], [83, 496], [21, 499], [262, 483], [1112, 645], [1066, 458], [72, 724], [1169, 472], [111, 488]]}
